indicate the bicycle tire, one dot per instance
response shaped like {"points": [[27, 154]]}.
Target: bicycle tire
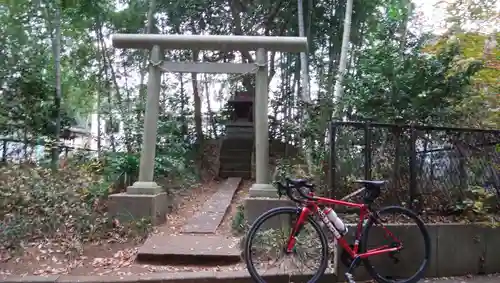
{"points": [[258, 223], [427, 246]]}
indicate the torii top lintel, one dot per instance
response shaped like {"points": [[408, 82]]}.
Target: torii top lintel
{"points": [[211, 42]]}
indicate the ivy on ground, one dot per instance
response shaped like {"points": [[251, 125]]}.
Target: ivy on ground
{"points": [[37, 203]]}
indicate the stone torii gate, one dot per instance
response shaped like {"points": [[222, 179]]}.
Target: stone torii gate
{"points": [[145, 198]]}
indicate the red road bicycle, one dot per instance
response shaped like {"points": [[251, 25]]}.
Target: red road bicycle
{"points": [[310, 211]]}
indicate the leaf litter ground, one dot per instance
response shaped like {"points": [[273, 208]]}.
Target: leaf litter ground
{"points": [[116, 256]]}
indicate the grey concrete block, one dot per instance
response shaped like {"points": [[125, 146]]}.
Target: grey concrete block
{"points": [[144, 188], [29, 279], [410, 257], [492, 253], [242, 276], [128, 207], [255, 207], [263, 191], [460, 249]]}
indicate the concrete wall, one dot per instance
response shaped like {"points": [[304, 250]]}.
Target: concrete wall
{"points": [[254, 207], [456, 249]]}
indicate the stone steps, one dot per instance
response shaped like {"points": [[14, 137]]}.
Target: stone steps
{"points": [[190, 249], [241, 174], [198, 243], [237, 143], [236, 158], [236, 166]]}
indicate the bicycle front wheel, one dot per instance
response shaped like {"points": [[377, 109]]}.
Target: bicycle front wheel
{"points": [[396, 226], [273, 229]]}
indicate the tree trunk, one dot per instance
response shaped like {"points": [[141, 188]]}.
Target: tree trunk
{"points": [[403, 29], [107, 88], [197, 105], [111, 122], [184, 126], [303, 59], [337, 93], [99, 146], [209, 106], [56, 47], [143, 69], [306, 97], [119, 102]]}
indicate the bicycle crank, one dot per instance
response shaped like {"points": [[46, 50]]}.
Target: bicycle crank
{"points": [[348, 274], [393, 255], [349, 277]]}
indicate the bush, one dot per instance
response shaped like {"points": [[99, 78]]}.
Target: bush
{"points": [[176, 172], [478, 205], [36, 203], [239, 224]]}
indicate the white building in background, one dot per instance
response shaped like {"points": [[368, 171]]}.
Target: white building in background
{"points": [[83, 136], [87, 134]]}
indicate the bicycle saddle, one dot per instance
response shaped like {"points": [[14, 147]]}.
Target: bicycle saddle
{"points": [[373, 183], [299, 182]]}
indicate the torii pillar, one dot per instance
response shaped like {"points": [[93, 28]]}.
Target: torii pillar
{"points": [[145, 199]]}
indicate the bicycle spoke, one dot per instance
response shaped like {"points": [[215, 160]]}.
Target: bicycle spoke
{"points": [[394, 266], [269, 246]]}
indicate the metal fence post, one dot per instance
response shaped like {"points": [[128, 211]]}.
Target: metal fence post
{"points": [[413, 166], [4, 151], [333, 159], [368, 151]]}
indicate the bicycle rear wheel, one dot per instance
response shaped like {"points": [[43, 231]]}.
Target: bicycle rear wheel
{"points": [[396, 267], [268, 230]]}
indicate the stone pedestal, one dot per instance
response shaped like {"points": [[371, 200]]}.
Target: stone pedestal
{"points": [[144, 188], [256, 206], [262, 197], [142, 200], [263, 190]]}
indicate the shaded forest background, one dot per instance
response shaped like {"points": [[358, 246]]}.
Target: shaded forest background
{"points": [[57, 67]]}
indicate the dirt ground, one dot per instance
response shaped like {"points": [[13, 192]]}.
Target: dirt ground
{"points": [[118, 258]]}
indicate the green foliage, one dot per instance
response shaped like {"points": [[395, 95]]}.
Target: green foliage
{"points": [[238, 224], [174, 158], [68, 205], [284, 168], [479, 107], [413, 86], [27, 104], [389, 76], [477, 206]]}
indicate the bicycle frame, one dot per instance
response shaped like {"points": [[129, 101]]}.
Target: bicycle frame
{"points": [[311, 207]]}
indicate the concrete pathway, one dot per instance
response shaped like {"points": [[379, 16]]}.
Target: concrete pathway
{"points": [[208, 219], [190, 249], [472, 279], [198, 243]]}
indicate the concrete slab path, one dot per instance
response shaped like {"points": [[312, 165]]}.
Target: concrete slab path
{"points": [[206, 277], [197, 242], [190, 249], [210, 216], [472, 279]]}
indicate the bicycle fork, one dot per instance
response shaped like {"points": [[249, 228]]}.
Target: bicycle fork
{"points": [[303, 214]]}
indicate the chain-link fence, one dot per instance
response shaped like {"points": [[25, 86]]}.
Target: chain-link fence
{"points": [[18, 151], [431, 166]]}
